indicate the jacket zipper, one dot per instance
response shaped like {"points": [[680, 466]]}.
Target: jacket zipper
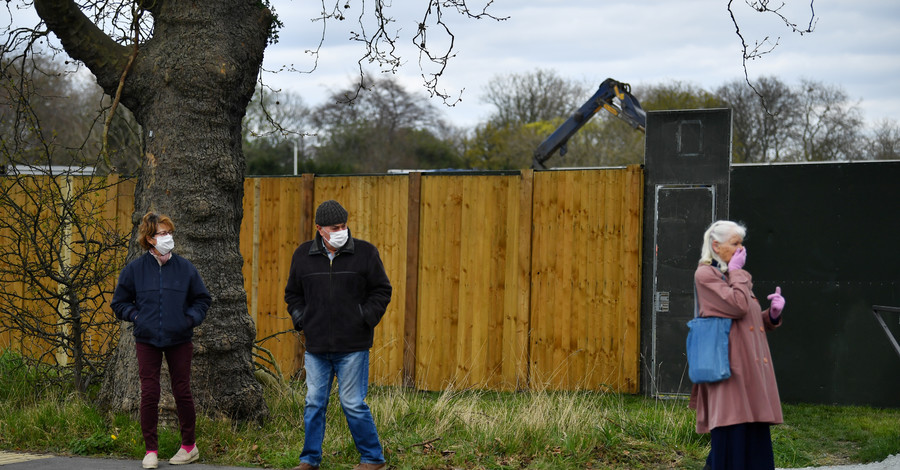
{"points": [[331, 294], [160, 313]]}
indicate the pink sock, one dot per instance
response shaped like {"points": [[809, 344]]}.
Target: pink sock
{"points": [[153, 451], [189, 448]]}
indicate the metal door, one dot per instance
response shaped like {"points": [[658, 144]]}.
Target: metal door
{"points": [[687, 162], [683, 212]]}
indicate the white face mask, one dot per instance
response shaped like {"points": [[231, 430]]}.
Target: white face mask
{"points": [[165, 244], [339, 238]]}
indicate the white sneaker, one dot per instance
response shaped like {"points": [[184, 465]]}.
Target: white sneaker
{"points": [[183, 456], [151, 460]]}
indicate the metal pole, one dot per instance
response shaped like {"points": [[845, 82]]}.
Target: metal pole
{"points": [[877, 310]]}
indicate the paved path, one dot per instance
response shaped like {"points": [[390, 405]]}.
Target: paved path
{"points": [[890, 463], [21, 461]]}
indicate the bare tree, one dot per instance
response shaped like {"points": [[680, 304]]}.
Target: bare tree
{"points": [[71, 112], [45, 91], [58, 239], [764, 119], [276, 132], [60, 258], [531, 97], [778, 123], [527, 108], [884, 144], [829, 125], [276, 115], [380, 125], [383, 101]]}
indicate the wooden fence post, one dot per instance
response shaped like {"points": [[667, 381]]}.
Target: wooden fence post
{"points": [[412, 280]]}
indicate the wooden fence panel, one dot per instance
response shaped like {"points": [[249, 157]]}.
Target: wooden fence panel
{"points": [[471, 327], [114, 203], [518, 280], [438, 296], [585, 270], [269, 236], [10, 338]]}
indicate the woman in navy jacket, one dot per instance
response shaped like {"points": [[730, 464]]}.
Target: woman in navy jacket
{"points": [[164, 296]]}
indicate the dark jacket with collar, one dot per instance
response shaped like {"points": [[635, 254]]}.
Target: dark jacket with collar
{"points": [[337, 303], [164, 302]]}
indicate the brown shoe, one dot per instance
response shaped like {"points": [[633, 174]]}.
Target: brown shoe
{"points": [[370, 466], [305, 466]]}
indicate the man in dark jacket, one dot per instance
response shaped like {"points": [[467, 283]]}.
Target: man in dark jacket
{"points": [[337, 291]]}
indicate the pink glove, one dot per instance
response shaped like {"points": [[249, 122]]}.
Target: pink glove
{"points": [[776, 305], [738, 259]]}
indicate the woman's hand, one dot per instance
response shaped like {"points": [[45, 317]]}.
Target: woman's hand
{"points": [[737, 259], [776, 305]]}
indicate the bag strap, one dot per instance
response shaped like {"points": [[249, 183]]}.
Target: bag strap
{"points": [[696, 302]]}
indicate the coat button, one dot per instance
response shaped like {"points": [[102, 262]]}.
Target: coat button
{"points": [[751, 328]]}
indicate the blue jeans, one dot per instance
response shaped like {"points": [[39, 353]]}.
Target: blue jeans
{"points": [[352, 372]]}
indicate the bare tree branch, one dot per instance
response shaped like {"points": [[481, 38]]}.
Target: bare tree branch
{"points": [[441, 58], [764, 47], [381, 40]]}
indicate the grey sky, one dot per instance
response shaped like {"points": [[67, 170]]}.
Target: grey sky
{"points": [[855, 45]]}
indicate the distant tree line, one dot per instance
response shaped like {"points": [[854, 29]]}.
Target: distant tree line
{"points": [[376, 124], [385, 126]]}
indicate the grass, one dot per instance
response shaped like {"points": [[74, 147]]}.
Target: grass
{"points": [[446, 430]]}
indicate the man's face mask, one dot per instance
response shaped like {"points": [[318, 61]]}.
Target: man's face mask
{"points": [[339, 238]]}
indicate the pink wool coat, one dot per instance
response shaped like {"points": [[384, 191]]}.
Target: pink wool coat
{"points": [[750, 395]]}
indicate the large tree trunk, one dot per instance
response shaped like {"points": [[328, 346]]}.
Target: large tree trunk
{"points": [[188, 87]]}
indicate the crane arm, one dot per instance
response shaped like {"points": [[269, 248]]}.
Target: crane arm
{"points": [[628, 109]]}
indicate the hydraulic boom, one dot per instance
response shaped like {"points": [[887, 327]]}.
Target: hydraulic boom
{"points": [[628, 109]]}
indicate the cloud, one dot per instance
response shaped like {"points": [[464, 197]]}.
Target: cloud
{"points": [[855, 45]]}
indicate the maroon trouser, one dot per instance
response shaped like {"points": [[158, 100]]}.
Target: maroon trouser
{"points": [[178, 358]]}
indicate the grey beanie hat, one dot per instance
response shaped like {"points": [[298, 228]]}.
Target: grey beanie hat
{"points": [[329, 213]]}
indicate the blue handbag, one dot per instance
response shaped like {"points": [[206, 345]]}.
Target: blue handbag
{"points": [[707, 347]]}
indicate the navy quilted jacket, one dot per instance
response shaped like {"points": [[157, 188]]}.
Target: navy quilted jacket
{"points": [[164, 302]]}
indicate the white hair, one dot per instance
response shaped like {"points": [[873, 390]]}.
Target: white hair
{"points": [[720, 231]]}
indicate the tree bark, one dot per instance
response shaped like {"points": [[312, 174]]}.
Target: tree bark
{"points": [[188, 87]]}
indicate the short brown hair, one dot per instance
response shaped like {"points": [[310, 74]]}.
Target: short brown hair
{"points": [[149, 224]]}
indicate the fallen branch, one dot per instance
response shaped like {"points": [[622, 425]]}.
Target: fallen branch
{"points": [[425, 443]]}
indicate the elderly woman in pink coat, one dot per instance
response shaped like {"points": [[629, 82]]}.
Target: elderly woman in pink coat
{"points": [[738, 411]]}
